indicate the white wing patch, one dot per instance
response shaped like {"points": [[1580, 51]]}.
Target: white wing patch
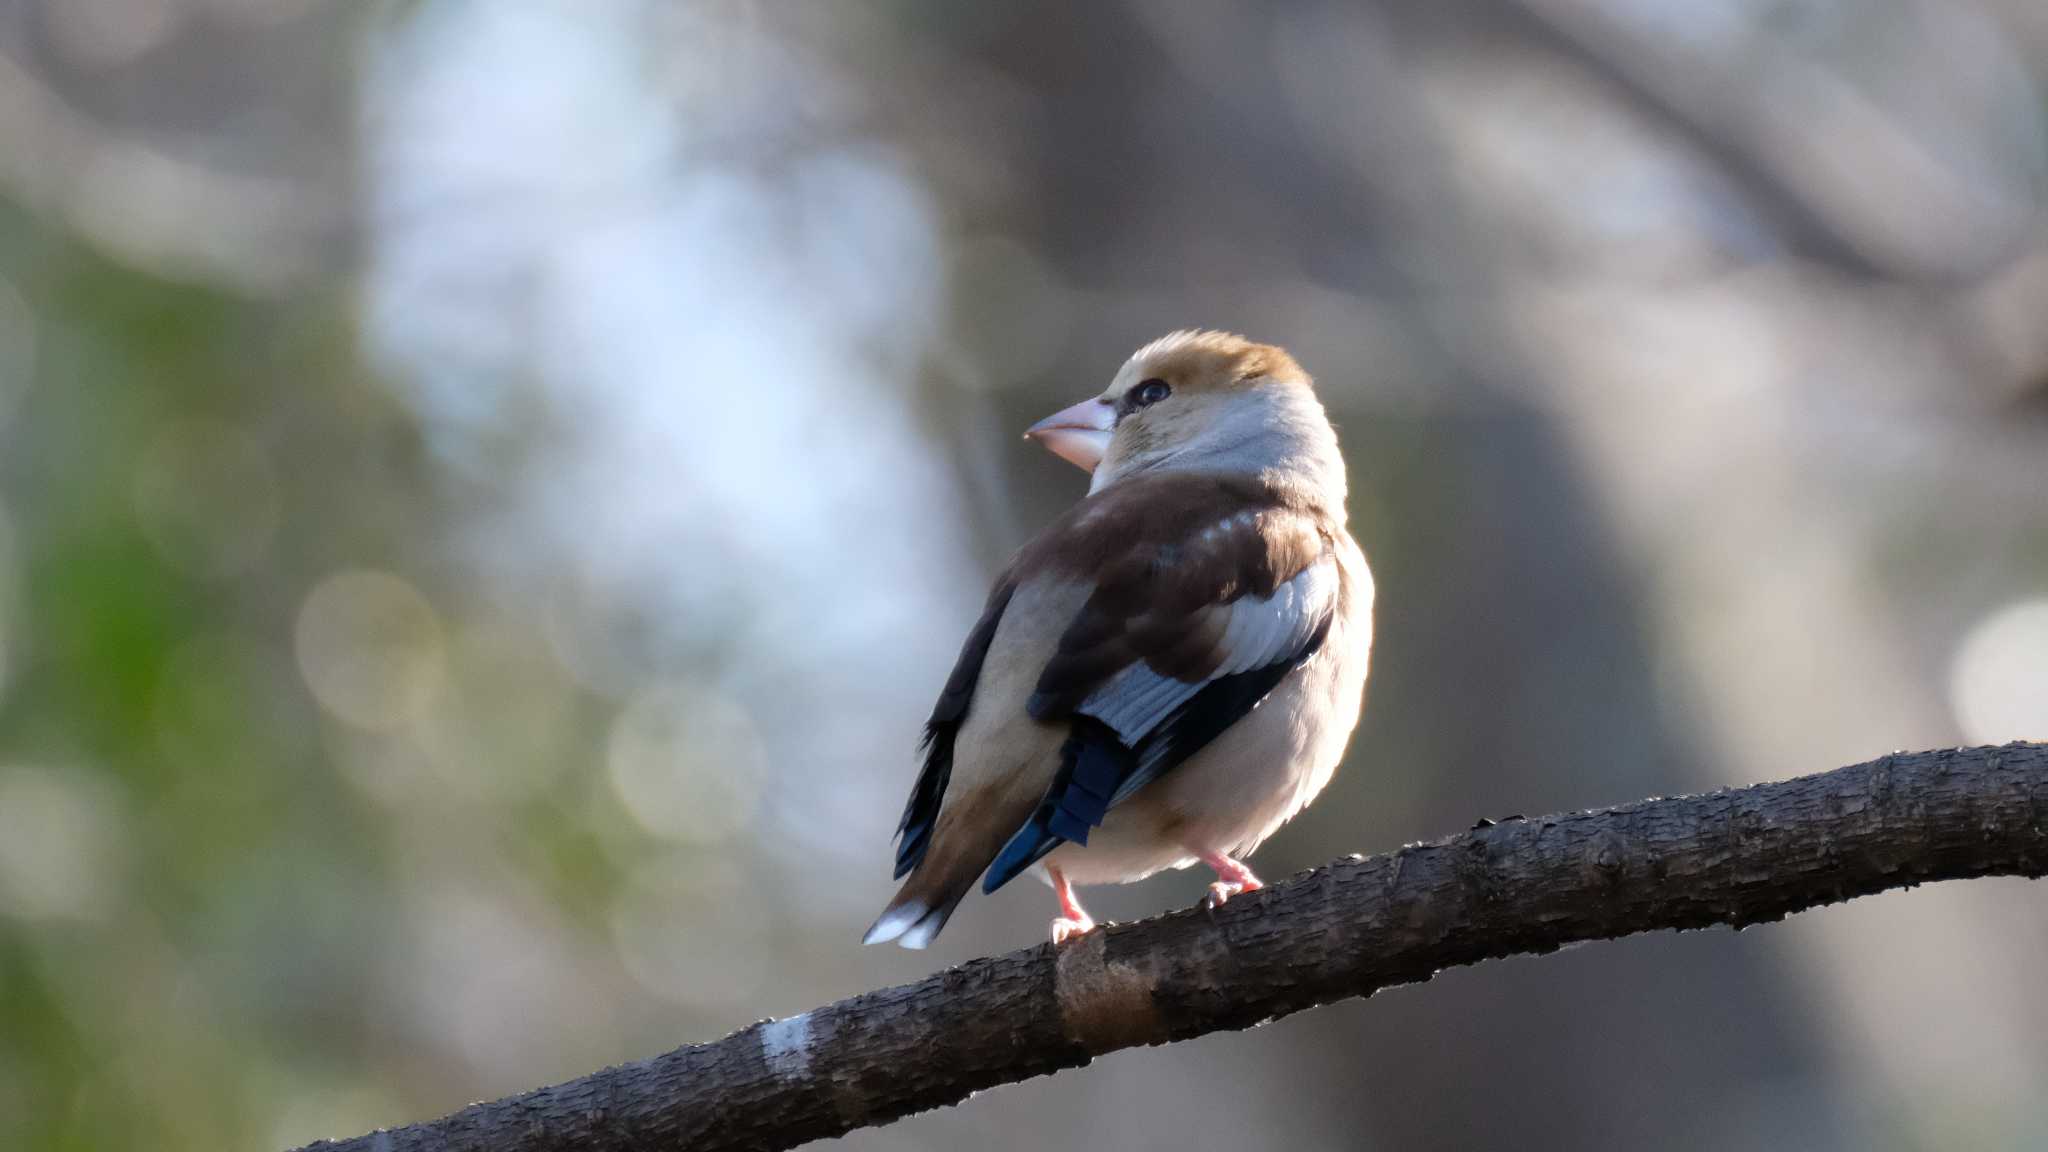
{"points": [[1262, 630]]}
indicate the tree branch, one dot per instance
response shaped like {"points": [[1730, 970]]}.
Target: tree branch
{"points": [[1736, 857]]}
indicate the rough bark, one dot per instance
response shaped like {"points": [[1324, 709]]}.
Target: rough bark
{"points": [[1735, 857]]}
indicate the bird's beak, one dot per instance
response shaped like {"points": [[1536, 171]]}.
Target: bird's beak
{"points": [[1078, 435]]}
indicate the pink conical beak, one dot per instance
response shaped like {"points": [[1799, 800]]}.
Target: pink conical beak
{"points": [[1078, 435]]}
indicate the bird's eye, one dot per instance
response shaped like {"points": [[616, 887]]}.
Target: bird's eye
{"points": [[1150, 392]]}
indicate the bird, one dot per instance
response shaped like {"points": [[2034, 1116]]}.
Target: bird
{"points": [[1167, 673]]}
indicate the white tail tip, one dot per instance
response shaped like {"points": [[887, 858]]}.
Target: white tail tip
{"points": [[896, 923], [920, 934]]}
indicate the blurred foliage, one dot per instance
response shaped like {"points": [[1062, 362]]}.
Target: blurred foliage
{"points": [[174, 688]]}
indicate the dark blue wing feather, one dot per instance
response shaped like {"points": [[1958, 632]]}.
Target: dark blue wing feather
{"points": [[1092, 761]]}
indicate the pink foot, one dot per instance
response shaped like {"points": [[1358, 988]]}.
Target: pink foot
{"points": [[1232, 878], [1067, 927], [1074, 919]]}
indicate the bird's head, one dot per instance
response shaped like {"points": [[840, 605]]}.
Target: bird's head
{"points": [[1197, 400]]}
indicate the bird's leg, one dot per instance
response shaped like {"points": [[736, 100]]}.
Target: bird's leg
{"points": [[1232, 878], [1074, 919]]}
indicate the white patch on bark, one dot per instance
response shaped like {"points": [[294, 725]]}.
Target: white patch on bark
{"points": [[786, 1046]]}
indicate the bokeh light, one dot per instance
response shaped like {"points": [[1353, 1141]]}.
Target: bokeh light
{"points": [[1998, 683], [371, 648], [62, 852], [687, 762]]}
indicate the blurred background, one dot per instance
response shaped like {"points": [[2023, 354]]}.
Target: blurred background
{"points": [[489, 489]]}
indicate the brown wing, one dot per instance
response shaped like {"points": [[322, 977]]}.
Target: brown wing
{"points": [[1188, 628], [1188, 606]]}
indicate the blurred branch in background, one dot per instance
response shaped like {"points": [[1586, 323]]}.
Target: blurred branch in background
{"points": [[1736, 857], [1846, 184]]}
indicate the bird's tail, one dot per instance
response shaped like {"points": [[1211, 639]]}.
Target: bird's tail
{"points": [[961, 848], [917, 913]]}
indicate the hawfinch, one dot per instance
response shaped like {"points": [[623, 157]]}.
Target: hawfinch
{"points": [[1171, 670]]}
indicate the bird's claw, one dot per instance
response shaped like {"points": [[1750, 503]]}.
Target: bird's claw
{"points": [[1232, 877], [1067, 927], [1221, 891]]}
